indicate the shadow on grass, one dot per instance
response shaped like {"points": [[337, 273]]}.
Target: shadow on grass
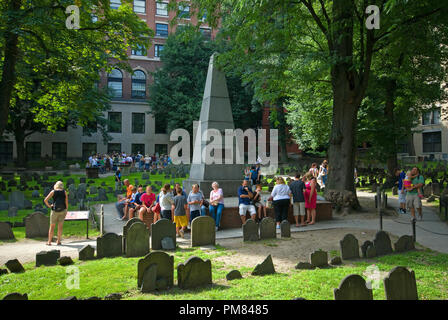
{"points": [[176, 291]]}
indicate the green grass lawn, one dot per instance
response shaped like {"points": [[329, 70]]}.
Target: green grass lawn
{"points": [[73, 228], [101, 277]]}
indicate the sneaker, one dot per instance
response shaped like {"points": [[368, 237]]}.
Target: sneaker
{"points": [[216, 229], [181, 233]]}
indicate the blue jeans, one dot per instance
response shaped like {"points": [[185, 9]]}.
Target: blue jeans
{"points": [[120, 207], [203, 211], [194, 214], [218, 214]]}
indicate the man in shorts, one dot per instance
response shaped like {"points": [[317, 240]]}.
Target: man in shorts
{"points": [[413, 201], [297, 187], [400, 174], [244, 201]]}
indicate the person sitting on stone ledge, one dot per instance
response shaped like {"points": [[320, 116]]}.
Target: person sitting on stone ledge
{"points": [[148, 201], [244, 201], [120, 204], [258, 203], [137, 202], [216, 204]]}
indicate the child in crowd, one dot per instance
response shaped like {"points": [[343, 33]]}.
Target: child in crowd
{"points": [[130, 203], [180, 212], [257, 202], [136, 202], [407, 183]]}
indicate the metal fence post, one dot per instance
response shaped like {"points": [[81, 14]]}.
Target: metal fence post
{"points": [[102, 220], [378, 197]]}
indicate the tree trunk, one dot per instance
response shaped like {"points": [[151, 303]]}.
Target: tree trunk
{"points": [[9, 64], [389, 106], [20, 143]]}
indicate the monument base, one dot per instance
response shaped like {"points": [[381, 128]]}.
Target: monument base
{"points": [[229, 187]]}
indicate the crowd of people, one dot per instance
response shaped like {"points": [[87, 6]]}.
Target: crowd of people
{"points": [[108, 163]]}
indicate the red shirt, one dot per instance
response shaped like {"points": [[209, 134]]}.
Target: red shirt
{"points": [[148, 199]]}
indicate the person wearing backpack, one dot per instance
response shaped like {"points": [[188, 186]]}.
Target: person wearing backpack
{"points": [[58, 210]]}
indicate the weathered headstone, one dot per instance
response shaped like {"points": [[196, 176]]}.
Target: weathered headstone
{"points": [[364, 247], [400, 284], [266, 267], [165, 267], [404, 243], [16, 296], [87, 252], [233, 275], [319, 258], [14, 266], [17, 199], [285, 228], [203, 231], [6, 231], [382, 243], [65, 261], [102, 195], [163, 228], [12, 212], [47, 258], [267, 228], [36, 225], [353, 287], [371, 252], [349, 247], [304, 266], [137, 240], [109, 245], [250, 230], [168, 244], [149, 279], [336, 261], [126, 227], [195, 272]]}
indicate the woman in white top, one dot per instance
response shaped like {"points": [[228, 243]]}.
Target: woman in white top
{"points": [[166, 202], [281, 197], [216, 203]]}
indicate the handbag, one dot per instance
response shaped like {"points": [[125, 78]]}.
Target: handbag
{"points": [[205, 203], [156, 208]]}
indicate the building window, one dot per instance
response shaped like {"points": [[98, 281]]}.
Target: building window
{"points": [[113, 147], [140, 6], [161, 30], [114, 122], [162, 9], [139, 51], [432, 141], [158, 48], [207, 33], [161, 149], [115, 4], [137, 148], [184, 12], [431, 117], [139, 84], [59, 150], [33, 150], [138, 123], [88, 149], [115, 83], [5, 151], [89, 128]]}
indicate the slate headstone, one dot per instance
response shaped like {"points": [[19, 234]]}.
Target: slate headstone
{"points": [[87, 252], [400, 284], [382, 243], [6, 231], [319, 258], [364, 247], [163, 228], [353, 287], [137, 240], [194, 272], [12, 212], [304, 266], [65, 261], [266, 267], [250, 230], [47, 258], [14, 266], [17, 199], [168, 244], [126, 227], [267, 229], [404, 243], [109, 245], [336, 261], [285, 228], [371, 252], [349, 247], [203, 231], [149, 279], [165, 267], [233, 275], [37, 225]]}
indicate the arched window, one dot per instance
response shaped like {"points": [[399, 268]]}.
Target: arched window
{"points": [[115, 83], [139, 84]]}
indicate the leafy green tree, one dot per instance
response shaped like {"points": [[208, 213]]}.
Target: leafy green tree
{"points": [[177, 91]]}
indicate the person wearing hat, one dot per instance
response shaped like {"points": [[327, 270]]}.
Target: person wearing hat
{"points": [[58, 210]]}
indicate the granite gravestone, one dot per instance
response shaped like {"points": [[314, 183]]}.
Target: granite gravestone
{"points": [[404, 243], [349, 247], [6, 231], [126, 227], [266, 267], [267, 229], [203, 231], [233, 275], [353, 287], [109, 245], [149, 279], [160, 230], [14, 266], [364, 247], [216, 113], [400, 284], [47, 258], [36, 225], [194, 272], [17, 199], [382, 243], [165, 268], [285, 229], [319, 259], [250, 230], [87, 252], [137, 240]]}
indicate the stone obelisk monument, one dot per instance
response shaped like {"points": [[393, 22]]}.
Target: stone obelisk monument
{"points": [[216, 113]]}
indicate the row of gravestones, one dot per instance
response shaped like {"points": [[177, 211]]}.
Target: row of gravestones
{"points": [[266, 229], [381, 245], [399, 284]]}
